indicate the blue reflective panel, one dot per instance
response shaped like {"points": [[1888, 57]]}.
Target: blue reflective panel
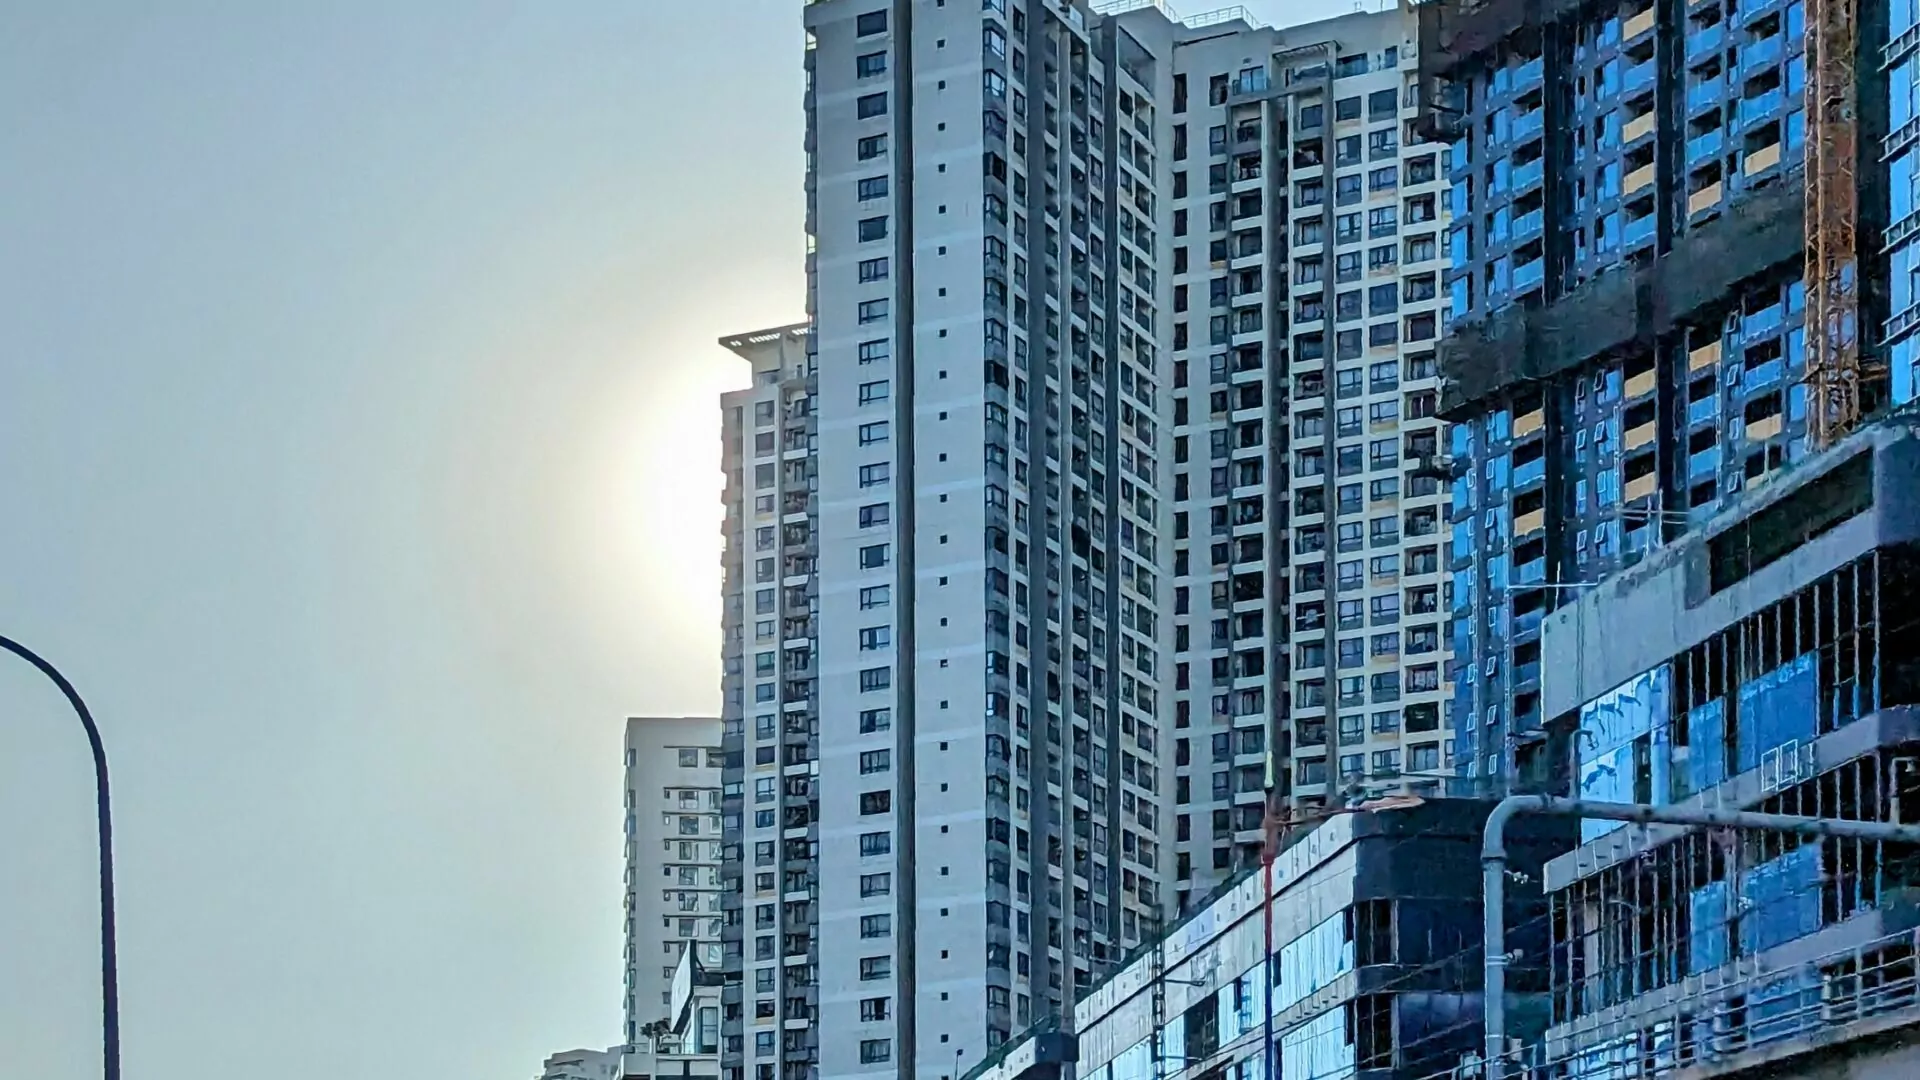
{"points": [[1902, 16], [1312, 962], [1777, 709], [1708, 918], [1780, 900], [1622, 747], [1707, 745], [1317, 1048], [1136, 1061], [1174, 1038]]}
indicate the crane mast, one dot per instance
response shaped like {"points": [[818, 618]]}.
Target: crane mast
{"points": [[1834, 370]]}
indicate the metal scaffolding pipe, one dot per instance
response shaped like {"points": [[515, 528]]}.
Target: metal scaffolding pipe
{"points": [[1493, 869]]}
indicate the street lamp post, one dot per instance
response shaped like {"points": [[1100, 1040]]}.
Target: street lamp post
{"points": [[109, 965]]}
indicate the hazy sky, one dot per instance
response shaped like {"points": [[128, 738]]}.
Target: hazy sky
{"points": [[358, 460]]}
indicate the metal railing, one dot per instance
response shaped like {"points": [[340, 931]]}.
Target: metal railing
{"points": [[1732, 1019]]}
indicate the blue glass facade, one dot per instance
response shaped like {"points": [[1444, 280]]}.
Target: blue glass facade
{"points": [[1783, 692], [1614, 378], [1901, 152], [1368, 966]]}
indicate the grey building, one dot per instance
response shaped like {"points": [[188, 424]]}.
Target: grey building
{"points": [[1765, 662], [1089, 513], [1354, 957]]}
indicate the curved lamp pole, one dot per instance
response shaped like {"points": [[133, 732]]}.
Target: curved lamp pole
{"points": [[109, 965]]}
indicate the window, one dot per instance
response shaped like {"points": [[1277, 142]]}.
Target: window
{"points": [[876, 885], [875, 596], [871, 147], [872, 352], [873, 228], [1424, 757], [874, 475], [878, 678], [875, 926], [875, 967], [872, 311], [867, 65], [876, 843], [873, 1051], [874, 1009], [872, 187], [1383, 105], [874, 514], [873, 269], [1380, 144], [873, 433], [875, 802], [1347, 109], [871, 105], [875, 392], [876, 761], [873, 556], [870, 23], [873, 720], [875, 637]]}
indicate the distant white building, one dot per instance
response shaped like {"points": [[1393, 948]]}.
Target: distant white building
{"points": [[673, 859], [583, 1065]]}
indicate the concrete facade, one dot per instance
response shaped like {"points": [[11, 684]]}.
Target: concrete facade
{"points": [[1091, 511], [673, 852]]}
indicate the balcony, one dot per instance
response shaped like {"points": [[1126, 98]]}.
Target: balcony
{"points": [[1704, 463], [1529, 276], [1637, 128], [1762, 375], [1640, 229], [1763, 53], [1526, 176], [1527, 423], [1640, 436], [1705, 95], [1638, 180], [1533, 472], [1637, 77], [1704, 356], [1642, 486], [1764, 429], [1637, 25], [1707, 198], [1532, 521], [1641, 384], [1759, 161], [1754, 110], [1702, 411], [1528, 125], [1705, 41], [1702, 148]]}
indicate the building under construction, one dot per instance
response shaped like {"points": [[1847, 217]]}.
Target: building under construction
{"points": [[1667, 282], [1357, 955], [1765, 661]]}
